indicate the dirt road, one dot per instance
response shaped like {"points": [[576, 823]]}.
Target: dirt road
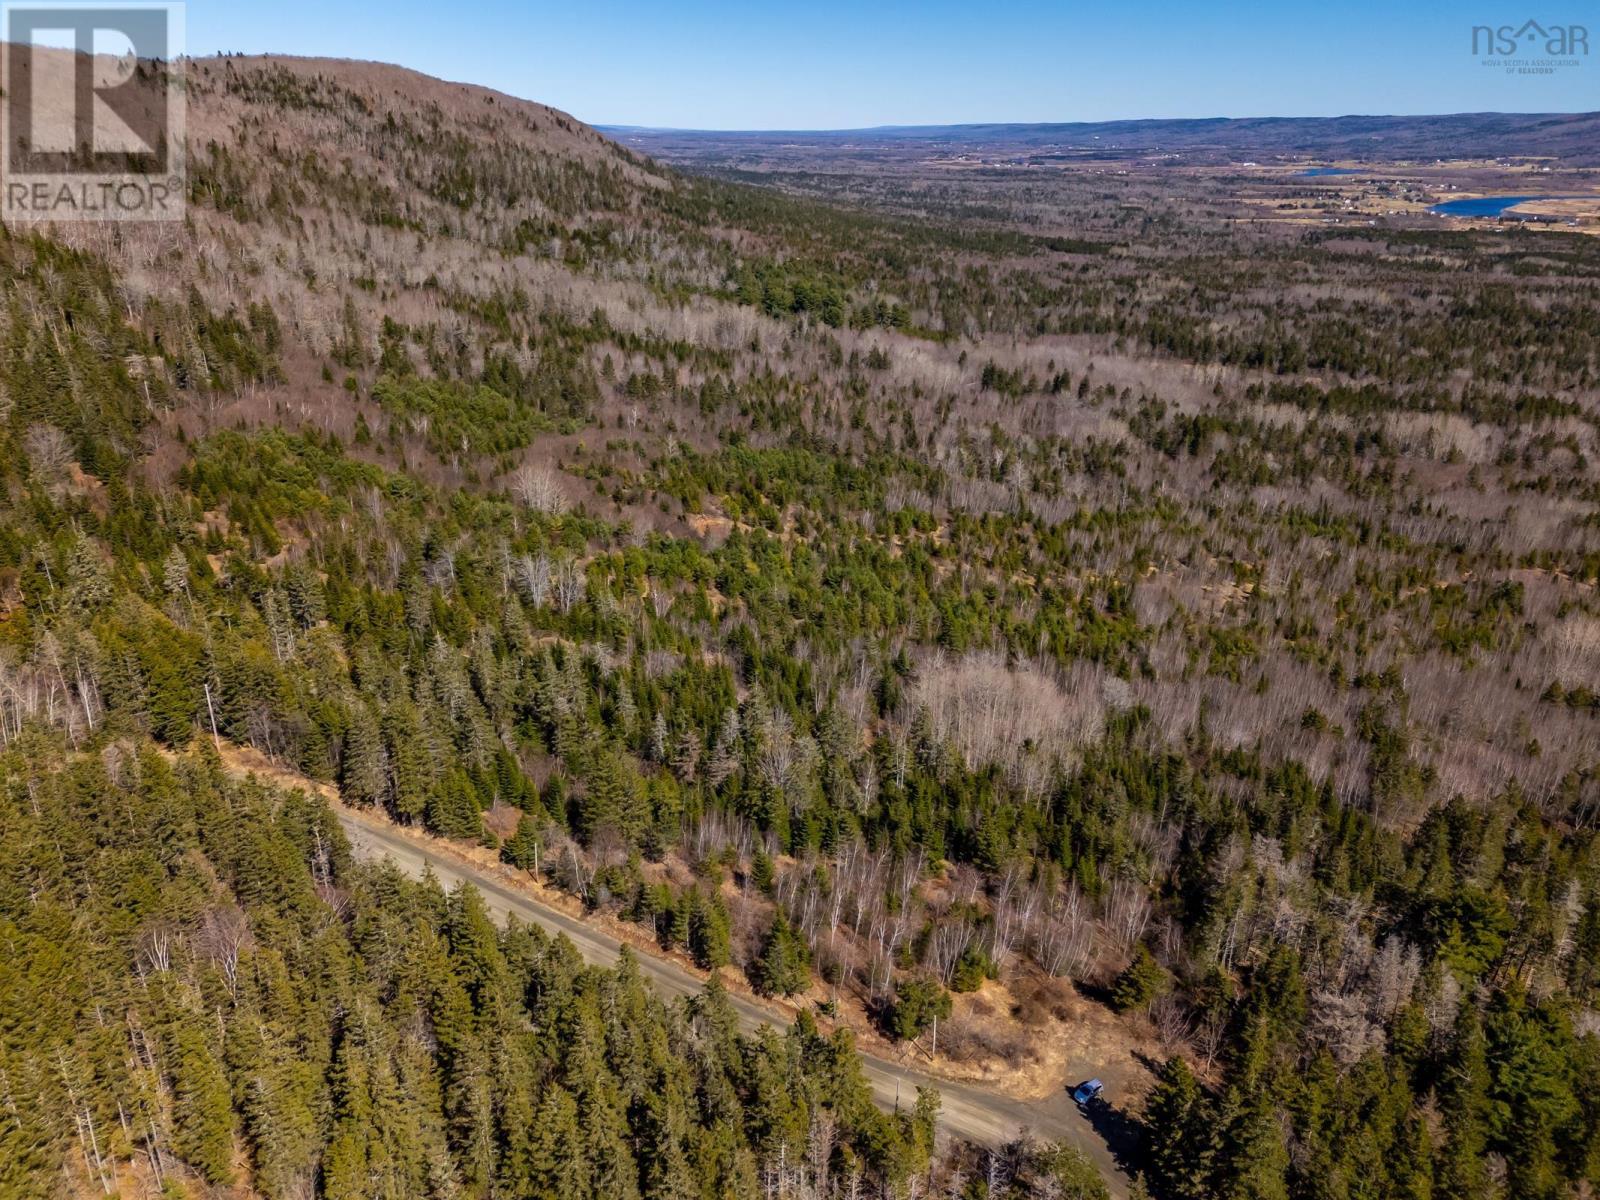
{"points": [[966, 1111]]}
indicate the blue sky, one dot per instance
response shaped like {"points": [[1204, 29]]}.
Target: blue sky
{"points": [[831, 64]]}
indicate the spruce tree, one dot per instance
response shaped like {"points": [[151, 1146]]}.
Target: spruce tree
{"points": [[453, 809], [363, 773], [1464, 1099], [710, 933], [1254, 1160], [1179, 1130], [1140, 983], [521, 849], [919, 1002], [784, 966], [202, 1107], [559, 1165]]}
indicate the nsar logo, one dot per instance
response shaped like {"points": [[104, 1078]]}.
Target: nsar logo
{"points": [[1531, 48]]}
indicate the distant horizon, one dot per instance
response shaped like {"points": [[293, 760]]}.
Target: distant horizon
{"points": [[625, 127]]}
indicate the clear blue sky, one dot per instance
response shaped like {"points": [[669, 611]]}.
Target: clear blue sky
{"points": [[831, 64]]}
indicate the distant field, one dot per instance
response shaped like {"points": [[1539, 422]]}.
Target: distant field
{"points": [[1571, 138]]}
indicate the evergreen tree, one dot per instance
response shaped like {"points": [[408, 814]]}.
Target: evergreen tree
{"points": [[1464, 1099], [1179, 1127], [1139, 983], [612, 799], [762, 872], [88, 581], [710, 931], [919, 1002], [1254, 1159], [453, 809], [559, 1164], [1068, 1174], [1532, 1105], [411, 772], [363, 774], [784, 966], [202, 1107], [521, 849]]}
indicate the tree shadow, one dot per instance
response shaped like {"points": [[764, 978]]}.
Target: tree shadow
{"points": [[1095, 992], [1121, 1132], [1149, 1062]]}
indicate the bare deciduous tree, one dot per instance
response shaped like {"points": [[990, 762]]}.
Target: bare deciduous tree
{"points": [[50, 456], [538, 488], [224, 934]]}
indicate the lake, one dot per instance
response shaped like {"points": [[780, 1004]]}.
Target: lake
{"points": [[1486, 206], [1318, 172]]}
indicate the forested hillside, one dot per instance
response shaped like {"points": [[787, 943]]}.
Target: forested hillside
{"points": [[237, 981], [953, 606]]}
